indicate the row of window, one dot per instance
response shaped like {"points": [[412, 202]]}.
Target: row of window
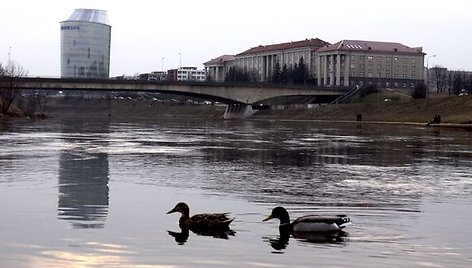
{"points": [[192, 77], [388, 59], [387, 84], [379, 75], [187, 72], [387, 67]]}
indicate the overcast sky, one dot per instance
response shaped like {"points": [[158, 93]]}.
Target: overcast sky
{"points": [[145, 32]]}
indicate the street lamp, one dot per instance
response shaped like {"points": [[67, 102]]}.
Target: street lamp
{"points": [[162, 64], [427, 72], [180, 60]]}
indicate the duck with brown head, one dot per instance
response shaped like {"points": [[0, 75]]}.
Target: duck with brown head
{"points": [[205, 223]]}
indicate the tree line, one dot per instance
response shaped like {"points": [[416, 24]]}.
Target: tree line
{"points": [[296, 74], [452, 82]]}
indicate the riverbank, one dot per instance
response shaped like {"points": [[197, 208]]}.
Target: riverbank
{"points": [[453, 110]]}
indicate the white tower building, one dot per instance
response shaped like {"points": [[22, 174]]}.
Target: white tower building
{"points": [[85, 44]]}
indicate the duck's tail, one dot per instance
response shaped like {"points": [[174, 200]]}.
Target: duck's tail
{"points": [[228, 221]]}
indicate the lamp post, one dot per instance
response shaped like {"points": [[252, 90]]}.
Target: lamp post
{"points": [[180, 60], [162, 64], [427, 73]]}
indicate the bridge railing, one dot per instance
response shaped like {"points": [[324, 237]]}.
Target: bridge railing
{"points": [[189, 83]]}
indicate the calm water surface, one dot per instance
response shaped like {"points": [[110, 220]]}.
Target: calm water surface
{"points": [[95, 194]]}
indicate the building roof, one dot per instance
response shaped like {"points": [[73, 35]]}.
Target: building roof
{"points": [[314, 43], [89, 15], [220, 60], [374, 46]]}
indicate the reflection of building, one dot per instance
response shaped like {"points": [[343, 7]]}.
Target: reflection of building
{"points": [[85, 44], [83, 188], [354, 62], [217, 69]]}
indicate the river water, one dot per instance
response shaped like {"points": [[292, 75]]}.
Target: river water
{"points": [[94, 193]]}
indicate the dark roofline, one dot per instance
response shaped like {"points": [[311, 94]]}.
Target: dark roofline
{"points": [[314, 43], [371, 46]]}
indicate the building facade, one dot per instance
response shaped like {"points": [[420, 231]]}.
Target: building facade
{"points": [[217, 69], [85, 44], [262, 60], [353, 62], [186, 74]]}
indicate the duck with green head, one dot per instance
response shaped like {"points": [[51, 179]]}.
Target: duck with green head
{"points": [[308, 223]]}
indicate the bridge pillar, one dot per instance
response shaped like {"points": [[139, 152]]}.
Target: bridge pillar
{"points": [[238, 111]]}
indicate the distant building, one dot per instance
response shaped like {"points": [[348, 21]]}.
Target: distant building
{"points": [[153, 76], [261, 60], [354, 62], [172, 75], [442, 80], [85, 44], [186, 74], [216, 69]]}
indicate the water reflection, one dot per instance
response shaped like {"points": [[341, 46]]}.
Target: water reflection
{"points": [[83, 182], [4, 125], [182, 236], [281, 242]]}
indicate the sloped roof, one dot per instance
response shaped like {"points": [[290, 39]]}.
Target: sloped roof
{"points": [[375, 46], [89, 15], [220, 60], [314, 43]]}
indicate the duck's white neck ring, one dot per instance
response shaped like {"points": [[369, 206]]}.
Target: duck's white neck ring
{"points": [[284, 224]]}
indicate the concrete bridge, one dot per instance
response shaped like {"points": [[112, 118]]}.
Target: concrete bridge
{"points": [[240, 98]]}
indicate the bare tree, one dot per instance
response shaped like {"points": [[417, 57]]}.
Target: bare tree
{"points": [[9, 84], [440, 78]]}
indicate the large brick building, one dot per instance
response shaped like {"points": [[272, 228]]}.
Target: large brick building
{"points": [[262, 59], [356, 62], [344, 64]]}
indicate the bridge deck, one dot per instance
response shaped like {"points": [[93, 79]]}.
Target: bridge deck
{"points": [[229, 93]]}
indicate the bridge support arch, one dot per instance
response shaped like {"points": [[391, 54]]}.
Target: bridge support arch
{"points": [[238, 111]]}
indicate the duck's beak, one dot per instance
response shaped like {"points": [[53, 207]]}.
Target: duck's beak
{"points": [[172, 211], [268, 218]]}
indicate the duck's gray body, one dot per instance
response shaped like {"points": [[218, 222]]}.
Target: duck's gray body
{"points": [[317, 223], [309, 223]]}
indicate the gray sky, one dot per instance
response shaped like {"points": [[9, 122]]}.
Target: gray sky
{"points": [[144, 32]]}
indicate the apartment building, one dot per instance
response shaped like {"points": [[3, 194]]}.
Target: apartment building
{"points": [[355, 62], [186, 74]]}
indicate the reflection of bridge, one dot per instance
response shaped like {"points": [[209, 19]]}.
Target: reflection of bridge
{"points": [[235, 95]]}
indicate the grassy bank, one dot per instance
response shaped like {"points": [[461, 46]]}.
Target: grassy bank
{"points": [[80, 107], [452, 110]]}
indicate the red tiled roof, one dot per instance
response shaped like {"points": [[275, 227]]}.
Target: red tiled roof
{"points": [[314, 43], [359, 45], [220, 60]]}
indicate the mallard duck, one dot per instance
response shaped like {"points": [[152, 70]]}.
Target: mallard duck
{"points": [[207, 223], [309, 223]]}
